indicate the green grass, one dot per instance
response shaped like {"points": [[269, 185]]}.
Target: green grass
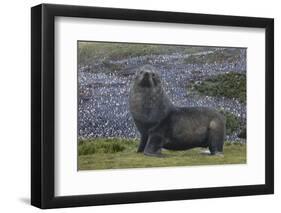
{"points": [[230, 85], [90, 51], [104, 156], [105, 145]]}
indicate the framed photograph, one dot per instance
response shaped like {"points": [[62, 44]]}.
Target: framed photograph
{"points": [[139, 106]]}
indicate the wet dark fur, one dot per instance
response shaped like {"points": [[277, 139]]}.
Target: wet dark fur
{"points": [[163, 125]]}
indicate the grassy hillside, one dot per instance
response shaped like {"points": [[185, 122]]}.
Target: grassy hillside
{"points": [[219, 56], [121, 153], [89, 51]]}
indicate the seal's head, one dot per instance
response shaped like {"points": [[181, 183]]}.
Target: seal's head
{"points": [[147, 77]]}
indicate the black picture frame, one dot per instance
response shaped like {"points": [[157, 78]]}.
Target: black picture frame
{"points": [[43, 105]]}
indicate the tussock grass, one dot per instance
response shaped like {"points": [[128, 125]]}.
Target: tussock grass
{"points": [[230, 85], [108, 145], [232, 122]]}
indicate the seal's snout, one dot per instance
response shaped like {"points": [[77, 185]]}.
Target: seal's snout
{"points": [[146, 74], [147, 77], [146, 80]]}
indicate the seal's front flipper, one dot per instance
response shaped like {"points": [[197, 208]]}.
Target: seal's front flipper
{"points": [[154, 146], [143, 142], [217, 154], [205, 152]]}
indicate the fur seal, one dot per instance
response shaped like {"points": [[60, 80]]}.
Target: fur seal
{"points": [[148, 103], [163, 125]]}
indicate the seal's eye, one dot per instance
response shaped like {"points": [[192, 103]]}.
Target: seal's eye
{"points": [[141, 72], [153, 75]]}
